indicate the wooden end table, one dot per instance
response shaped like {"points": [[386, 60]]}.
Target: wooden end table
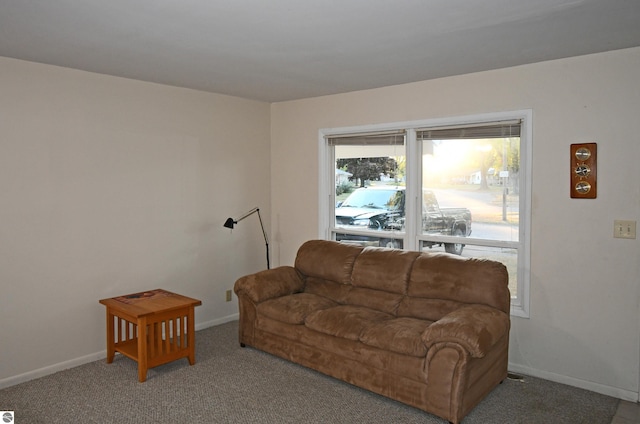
{"points": [[152, 328]]}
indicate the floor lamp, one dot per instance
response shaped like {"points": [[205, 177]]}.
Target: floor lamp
{"points": [[230, 222]]}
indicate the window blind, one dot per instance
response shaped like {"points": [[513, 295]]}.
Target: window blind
{"points": [[394, 138], [489, 130]]}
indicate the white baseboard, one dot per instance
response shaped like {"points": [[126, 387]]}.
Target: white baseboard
{"points": [[603, 389], [61, 366], [558, 378], [219, 321], [51, 369]]}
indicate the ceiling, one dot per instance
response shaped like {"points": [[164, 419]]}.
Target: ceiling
{"points": [[280, 50]]}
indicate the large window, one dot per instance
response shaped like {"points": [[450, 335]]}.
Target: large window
{"points": [[458, 185]]}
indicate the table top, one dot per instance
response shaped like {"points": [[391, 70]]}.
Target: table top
{"points": [[149, 302]]}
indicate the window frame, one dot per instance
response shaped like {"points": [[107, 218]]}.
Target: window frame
{"points": [[326, 184]]}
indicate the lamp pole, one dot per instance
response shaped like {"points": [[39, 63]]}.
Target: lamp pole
{"points": [[230, 222]]}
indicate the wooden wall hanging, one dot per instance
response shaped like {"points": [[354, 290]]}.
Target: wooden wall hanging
{"points": [[583, 171]]}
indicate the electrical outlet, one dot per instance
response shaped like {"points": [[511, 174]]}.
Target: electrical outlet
{"points": [[624, 229], [229, 295]]}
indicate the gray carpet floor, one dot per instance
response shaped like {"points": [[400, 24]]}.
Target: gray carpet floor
{"points": [[229, 384]]}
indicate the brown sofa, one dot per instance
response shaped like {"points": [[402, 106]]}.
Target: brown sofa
{"points": [[430, 330]]}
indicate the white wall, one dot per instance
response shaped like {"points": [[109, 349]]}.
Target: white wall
{"points": [[584, 324], [111, 186]]}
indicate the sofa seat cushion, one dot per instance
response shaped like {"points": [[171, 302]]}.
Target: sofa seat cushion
{"points": [[346, 321], [400, 335], [293, 309]]}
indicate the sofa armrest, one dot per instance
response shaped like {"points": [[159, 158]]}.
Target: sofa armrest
{"points": [[475, 327], [269, 284]]}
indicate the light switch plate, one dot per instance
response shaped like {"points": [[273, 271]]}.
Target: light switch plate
{"points": [[624, 229]]}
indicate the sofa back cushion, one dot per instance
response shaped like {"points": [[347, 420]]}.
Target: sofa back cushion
{"points": [[374, 299], [383, 269], [327, 260], [402, 283], [379, 279], [440, 283], [337, 292]]}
